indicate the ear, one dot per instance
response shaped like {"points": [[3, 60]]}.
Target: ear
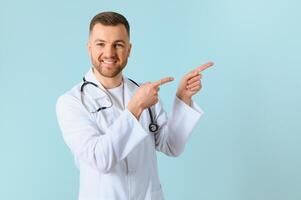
{"points": [[129, 51], [88, 45]]}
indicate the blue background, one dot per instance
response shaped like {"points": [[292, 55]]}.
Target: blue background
{"points": [[246, 146]]}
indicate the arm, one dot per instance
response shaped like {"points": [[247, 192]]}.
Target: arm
{"points": [[185, 114], [176, 129], [101, 150]]}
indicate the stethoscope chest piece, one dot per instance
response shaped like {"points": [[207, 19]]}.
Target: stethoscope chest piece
{"points": [[153, 127]]}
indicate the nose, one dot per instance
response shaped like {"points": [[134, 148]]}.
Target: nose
{"points": [[109, 51]]}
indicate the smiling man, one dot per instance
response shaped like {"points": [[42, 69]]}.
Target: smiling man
{"points": [[109, 48], [114, 126]]}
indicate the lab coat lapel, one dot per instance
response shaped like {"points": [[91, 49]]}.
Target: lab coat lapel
{"points": [[129, 90], [97, 94], [108, 116], [111, 114]]}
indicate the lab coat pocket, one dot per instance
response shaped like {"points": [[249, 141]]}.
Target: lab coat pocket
{"points": [[157, 195]]}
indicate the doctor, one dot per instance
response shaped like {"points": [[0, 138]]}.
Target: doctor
{"points": [[113, 126]]}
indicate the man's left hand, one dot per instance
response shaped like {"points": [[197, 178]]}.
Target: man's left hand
{"points": [[191, 83]]}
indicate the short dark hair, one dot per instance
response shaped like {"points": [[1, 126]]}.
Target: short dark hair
{"points": [[109, 19]]}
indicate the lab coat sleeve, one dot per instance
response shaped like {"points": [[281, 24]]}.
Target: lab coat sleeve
{"points": [[100, 150], [175, 130]]}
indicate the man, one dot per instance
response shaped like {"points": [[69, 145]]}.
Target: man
{"points": [[114, 126]]}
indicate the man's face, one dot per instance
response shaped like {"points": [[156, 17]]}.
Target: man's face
{"points": [[109, 48]]}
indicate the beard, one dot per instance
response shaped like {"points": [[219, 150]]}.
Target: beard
{"points": [[105, 72]]}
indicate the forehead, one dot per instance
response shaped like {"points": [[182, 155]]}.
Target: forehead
{"points": [[109, 33]]}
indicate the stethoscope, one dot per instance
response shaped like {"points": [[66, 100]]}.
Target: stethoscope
{"points": [[153, 126]]}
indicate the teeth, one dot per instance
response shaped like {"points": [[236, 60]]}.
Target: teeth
{"points": [[108, 61]]}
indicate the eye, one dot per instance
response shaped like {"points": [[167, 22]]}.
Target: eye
{"points": [[101, 44], [119, 45]]}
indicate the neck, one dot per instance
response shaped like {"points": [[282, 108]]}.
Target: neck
{"points": [[107, 82]]}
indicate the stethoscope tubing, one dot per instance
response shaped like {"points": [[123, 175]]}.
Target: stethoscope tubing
{"points": [[153, 127]]}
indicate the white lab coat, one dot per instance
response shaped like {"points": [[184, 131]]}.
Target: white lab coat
{"points": [[116, 153]]}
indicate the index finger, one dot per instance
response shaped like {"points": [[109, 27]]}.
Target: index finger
{"points": [[163, 81], [204, 66]]}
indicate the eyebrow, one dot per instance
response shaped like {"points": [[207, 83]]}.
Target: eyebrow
{"points": [[116, 41]]}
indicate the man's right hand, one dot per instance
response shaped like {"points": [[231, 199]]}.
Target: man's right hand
{"points": [[146, 96]]}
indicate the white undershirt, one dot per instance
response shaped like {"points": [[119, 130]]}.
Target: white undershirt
{"points": [[117, 96]]}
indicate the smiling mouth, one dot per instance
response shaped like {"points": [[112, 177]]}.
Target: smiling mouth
{"points": [[109, 63]]}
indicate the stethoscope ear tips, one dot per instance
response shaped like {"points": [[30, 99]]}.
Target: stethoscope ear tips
{"points": [[153, 127]]}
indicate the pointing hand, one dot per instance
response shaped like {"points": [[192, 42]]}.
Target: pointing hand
{"points": [[146, 96], [191, 83]]}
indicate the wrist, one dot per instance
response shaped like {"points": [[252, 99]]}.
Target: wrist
{"points": [[187, 100], [135, 109]]}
